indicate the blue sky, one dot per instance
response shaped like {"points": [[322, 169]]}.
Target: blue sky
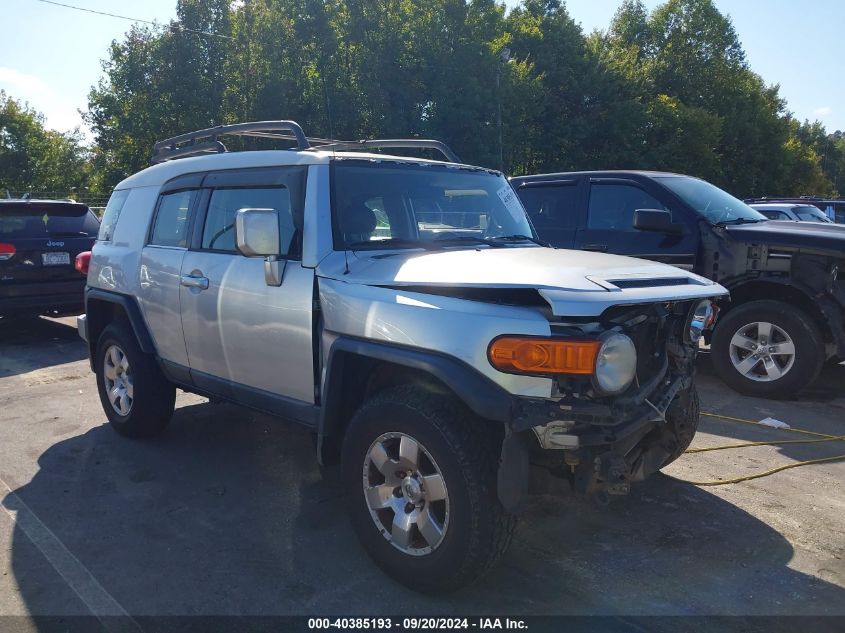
{"points": [[50, 55]]}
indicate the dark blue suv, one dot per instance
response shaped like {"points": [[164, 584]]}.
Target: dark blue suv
{"points": [[786, 315], [39, 242]]}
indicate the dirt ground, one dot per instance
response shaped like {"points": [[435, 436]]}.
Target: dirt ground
{"points": [[228, 513]]}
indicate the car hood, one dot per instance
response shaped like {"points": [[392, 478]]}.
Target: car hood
{"points": [[817, 236], [574, 283]]}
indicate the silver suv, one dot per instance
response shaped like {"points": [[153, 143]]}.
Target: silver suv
{"points": [[403, 310]]}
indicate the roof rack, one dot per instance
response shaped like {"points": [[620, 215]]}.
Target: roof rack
{"points": [[207, 141], [387, 143]]}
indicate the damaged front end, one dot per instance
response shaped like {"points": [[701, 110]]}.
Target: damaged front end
{"points": [[601, 444]]}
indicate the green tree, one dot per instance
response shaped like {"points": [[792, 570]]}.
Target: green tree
{"points": [[35, 159], [158, 84], [668, 89]]}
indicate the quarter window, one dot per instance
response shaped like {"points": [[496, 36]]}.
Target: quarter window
{"points": [[111, 215], [171, 223], [612, 206], [219, 231]]}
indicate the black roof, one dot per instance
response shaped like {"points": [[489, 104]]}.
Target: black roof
{"points": [[39, 204]]}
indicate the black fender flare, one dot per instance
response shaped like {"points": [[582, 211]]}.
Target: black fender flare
{"points": [[483, 396], [830, 311], [130, 307], [478, 392]]}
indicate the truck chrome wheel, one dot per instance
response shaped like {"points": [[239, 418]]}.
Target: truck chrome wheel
{"points": [[762, 351], [406, 494], [118, 379]]}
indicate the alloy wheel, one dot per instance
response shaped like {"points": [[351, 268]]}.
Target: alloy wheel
{"points": [[762, 351], [406, 494], [118, 380]]}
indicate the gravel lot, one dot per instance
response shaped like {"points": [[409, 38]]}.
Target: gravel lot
{"points": [[228, 513]]}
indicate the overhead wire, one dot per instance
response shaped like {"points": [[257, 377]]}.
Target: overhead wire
{"points": [[173, 27]]}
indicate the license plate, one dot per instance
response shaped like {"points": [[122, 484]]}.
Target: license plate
{"points": [[55, 259]]}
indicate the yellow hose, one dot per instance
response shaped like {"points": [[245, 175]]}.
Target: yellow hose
{"points": [[823, 437]]}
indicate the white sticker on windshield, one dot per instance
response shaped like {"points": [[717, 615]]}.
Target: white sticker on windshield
{"points": [[511, 202]]}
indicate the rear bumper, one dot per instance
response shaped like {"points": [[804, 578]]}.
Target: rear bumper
{"points": [[82, 327], [42, 298]]}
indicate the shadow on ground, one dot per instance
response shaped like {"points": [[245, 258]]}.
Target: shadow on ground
{"points": [[228, 513], [28, 344], [819, 408]]}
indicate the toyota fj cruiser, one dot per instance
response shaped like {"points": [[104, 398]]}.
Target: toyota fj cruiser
{"points": [[786, 314], [402, 310]]}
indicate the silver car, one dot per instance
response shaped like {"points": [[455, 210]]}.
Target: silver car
{"points": [[792, 212], [403, 310]]}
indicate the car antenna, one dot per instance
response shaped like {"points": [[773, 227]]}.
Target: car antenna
{"points": [[346, 259]]}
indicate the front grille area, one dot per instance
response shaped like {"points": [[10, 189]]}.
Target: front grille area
{"points": [[657, 333]]}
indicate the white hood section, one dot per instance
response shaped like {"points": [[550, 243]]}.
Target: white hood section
{"points": [[575, 283]]}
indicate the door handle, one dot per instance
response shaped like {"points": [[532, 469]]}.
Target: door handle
{"points": [[598, 248], [190, 281]]}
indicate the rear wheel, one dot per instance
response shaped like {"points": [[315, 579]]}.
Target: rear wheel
{"points": [[419, 473], [137, 398], [767, 349]]}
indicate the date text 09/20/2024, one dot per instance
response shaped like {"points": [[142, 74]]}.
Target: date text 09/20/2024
{"points": [[417, 623]]}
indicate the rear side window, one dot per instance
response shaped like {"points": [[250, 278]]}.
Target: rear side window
{"points": [[111, 214], [219, 230], [171, 221], [551, 206], [612, 206], [43, 220], [775, 215]]}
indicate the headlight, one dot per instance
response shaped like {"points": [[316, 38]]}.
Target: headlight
{"points": [[700, 318], [616, 364]]}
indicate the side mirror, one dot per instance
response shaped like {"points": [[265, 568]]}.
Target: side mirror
{"points": [[257, 235], [257, 232], [656, 220]]}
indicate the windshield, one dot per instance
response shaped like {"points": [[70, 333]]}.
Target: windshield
{"points": [[708, 200], [388, 205], [811, 214], [47, 220]]}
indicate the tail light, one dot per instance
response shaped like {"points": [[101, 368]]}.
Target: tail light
{"points": [[82, 262], [7, 251]]}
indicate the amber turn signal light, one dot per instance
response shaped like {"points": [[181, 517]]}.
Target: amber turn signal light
{"points": [[530, 355]]}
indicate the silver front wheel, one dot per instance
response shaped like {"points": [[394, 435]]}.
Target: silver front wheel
{"points": [[406, 494], [117, 376], [762, 351]]}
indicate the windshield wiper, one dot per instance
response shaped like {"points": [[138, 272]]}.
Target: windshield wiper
{"points": [[520, 238], [67, 233], [738, 221], [396, 242], [469, 238]]}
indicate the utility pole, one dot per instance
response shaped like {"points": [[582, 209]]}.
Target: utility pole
{"points": [[504, 57]]}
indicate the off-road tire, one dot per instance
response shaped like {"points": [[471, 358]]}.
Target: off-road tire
{"points": [[154, 396], [466, 450], [805, 334], [682, 425]]}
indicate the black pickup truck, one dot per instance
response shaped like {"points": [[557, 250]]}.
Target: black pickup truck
{"points": [[39, 242], [786, 314]]}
